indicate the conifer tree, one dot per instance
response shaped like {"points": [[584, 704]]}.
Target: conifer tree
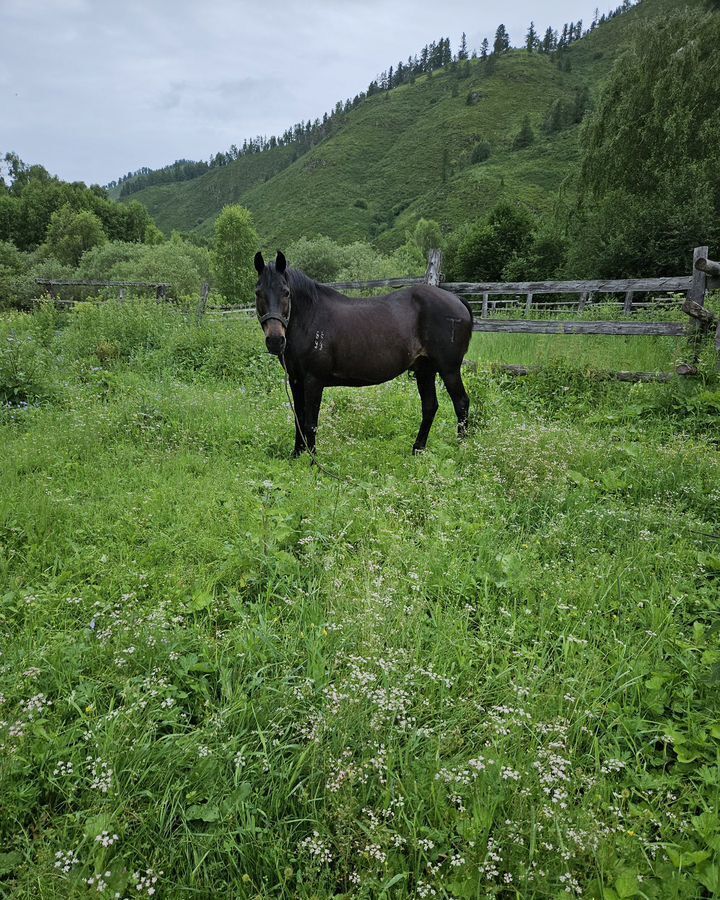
{"points": [[531, 38], [525, 136], [502, 40], [484, 48], [463, 51]]}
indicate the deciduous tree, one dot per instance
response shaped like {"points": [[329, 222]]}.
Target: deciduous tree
{"points": [[236, 242]]}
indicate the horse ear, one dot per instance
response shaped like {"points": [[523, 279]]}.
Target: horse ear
{"points": [[259, 263], [280, 262]]}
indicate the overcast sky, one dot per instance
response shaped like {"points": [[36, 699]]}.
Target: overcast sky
{"points": [[92, 89]]}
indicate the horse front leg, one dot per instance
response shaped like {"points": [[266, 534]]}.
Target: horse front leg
{"points": [[313, 399], [297, 387]]}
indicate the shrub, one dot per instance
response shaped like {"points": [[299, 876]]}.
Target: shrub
{"points": [[115, 330], [318, 257], [484, 249], [182, 265], [25, 364], [480, 152], [227, 350], [427, 235], [98, 263], [542, 258]]}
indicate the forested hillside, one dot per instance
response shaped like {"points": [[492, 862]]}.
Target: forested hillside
{"points": [[448, 145]]}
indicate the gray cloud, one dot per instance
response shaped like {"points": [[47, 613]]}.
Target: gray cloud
{"points": [[95, 89]]}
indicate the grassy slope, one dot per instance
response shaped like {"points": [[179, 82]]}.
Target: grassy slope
{"points": [[389, 153], [186, 205], [498, 655]]}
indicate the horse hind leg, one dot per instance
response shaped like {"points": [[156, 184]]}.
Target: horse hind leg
{"points": [[425, 376], [456, 389]]}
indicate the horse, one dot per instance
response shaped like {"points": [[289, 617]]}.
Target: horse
{"points": [[325, 339]]}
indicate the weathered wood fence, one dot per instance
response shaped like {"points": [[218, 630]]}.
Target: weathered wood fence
{"points": [[488, 298], [54, 288]]}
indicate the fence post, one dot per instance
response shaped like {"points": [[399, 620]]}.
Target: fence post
{"points": [[583, 301], [528, 304], [432, 275], [627, 308], [696, 295], [699, 285], [485, 305], [203, 301]]}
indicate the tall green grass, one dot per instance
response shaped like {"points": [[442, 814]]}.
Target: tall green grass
{"points": [[487, 671]]}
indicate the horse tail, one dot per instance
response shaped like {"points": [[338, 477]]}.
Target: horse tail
{"points": [[470, 312], [467, 306]]}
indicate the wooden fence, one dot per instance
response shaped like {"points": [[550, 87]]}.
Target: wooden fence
{"points": [[54, 288], [487, 298]]}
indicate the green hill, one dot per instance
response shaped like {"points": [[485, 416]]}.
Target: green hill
{"points": [[407, 153]]}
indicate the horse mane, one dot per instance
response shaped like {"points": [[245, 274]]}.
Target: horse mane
{"points": [[304, 289], [300, 283]]}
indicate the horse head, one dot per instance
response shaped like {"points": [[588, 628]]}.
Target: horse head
{"points": [[273, 301]]}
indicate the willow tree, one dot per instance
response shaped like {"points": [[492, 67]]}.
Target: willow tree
{"points": [[649, 187]]}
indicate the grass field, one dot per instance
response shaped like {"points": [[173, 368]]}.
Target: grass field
{"points": [[489, 671]]}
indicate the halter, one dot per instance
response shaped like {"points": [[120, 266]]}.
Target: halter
{"points": [[279, 318], [285, 321]]}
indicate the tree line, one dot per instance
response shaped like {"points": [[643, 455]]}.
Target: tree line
{"points": [[30, 197]]}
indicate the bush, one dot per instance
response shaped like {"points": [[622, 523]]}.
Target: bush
{"points": [[115, 330], [483, 250], [543, 258], [182, 265], [17, 286], [26, 365], [480, 153], [319, 257], [227, 350], [427, 236], [325, 261], [99, 263]]}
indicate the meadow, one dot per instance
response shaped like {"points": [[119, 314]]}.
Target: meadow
{"points": [[489, 671]]}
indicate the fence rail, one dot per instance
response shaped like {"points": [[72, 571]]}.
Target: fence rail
{"points": [[525, 326], [377, 283], [53, 285], [705, 276], [616, 286]]}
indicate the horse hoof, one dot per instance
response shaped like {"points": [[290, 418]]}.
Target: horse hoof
{"points": [[418, 450]]}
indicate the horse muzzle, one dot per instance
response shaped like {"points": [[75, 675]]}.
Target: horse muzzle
{"points": [[275, 343]]}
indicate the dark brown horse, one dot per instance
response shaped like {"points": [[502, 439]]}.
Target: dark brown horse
{"points": [[324, 339]]}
